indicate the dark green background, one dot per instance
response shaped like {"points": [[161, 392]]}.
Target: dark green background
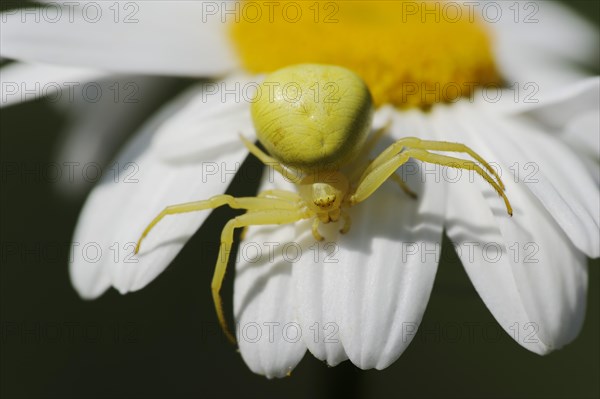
{"points": [[154, 343]]}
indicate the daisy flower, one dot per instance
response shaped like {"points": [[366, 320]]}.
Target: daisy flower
{"points": [[435, 75]]}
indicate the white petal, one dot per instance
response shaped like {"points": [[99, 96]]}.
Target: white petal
{"points": [[116, 212], [365, 297], [156, 37], [572, 114], [569, 113], [98, 124], [540, 41], [555, 175], [553, 108], [525, 269], [21, 82], [583, 134], [221, 111], [268, 333]]}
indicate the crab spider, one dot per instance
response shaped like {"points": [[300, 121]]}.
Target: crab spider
{"points": [[308, 140]]}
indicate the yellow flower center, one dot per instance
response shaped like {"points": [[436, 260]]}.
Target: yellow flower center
{"points": [[409, 53]]}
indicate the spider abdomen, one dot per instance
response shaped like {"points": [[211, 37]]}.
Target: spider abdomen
{"points": [[313, 117]]}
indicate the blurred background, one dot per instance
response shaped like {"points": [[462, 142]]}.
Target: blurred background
{"points": [[163, 341]]}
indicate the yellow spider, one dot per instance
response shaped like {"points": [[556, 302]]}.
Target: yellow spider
{"points": [[310, 136]]}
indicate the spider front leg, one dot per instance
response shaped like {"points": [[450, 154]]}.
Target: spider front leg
{"points": [[452, 162], [248, 203], [374, 177], [254, 218], [429, 145], [270, 207]]}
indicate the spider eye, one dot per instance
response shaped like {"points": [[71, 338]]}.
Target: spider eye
{"points": [[325, 202]]}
